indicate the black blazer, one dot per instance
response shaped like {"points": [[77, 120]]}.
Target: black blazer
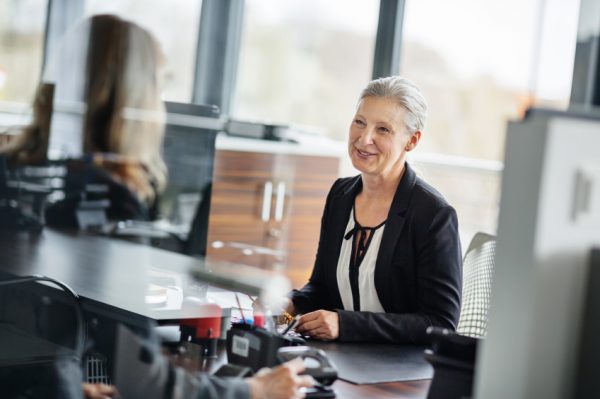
{"points": [[418, 273]]}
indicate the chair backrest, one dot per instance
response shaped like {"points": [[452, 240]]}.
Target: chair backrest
{"points": [[42, 338], [478, 270]]}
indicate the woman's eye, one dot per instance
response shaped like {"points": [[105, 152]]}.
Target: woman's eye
{"points": [[383, 130], [359, 122]]}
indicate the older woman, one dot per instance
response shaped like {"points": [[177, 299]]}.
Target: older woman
{"points": [[389, 259]]}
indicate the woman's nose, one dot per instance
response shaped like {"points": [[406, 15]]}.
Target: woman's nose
{"points": [[366, 136]]}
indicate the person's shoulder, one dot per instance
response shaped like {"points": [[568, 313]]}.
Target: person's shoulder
{"points": [[344, 184], [426, 196]]}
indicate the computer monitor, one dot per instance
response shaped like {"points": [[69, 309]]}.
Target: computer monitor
{"points": [[549, 220]]}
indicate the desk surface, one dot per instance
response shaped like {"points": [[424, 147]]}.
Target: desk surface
{"points": [[343, 389], [386, 362], [105, 272], [412, 389]]}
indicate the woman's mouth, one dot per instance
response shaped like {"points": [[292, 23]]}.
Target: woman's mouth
{"points": [[363, 154]]}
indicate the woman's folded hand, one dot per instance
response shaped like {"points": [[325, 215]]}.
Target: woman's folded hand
{"points": [[320, 324]]}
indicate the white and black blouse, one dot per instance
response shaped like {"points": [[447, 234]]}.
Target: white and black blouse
{"points": [[356, 266]]}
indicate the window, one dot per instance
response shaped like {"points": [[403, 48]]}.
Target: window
{"points": [[480, 64], [22, 24], [175, 24], [305, 62]]}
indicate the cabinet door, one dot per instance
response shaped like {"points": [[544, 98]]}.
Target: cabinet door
{"points": [[266, 209], [241, 203], [313, 178]]}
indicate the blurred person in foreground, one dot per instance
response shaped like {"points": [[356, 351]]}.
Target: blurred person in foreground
{"points": [[281, 382], [112, 110], [389, 262]]}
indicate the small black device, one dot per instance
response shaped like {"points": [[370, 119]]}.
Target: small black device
{"points": [[444, 342], [233, 370], [316, 364], [255, 347]]}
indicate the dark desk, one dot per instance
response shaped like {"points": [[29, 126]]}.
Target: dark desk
{"points": [[343, 389], [412, 389], [112, 276], [109, 275]]}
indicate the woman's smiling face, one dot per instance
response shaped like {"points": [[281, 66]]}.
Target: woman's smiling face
{"points": [[378, 137]]}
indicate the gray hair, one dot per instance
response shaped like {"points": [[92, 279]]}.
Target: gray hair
{"points": [[405, 93]]}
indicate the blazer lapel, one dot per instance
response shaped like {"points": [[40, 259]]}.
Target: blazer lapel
{"points": [[393, 228], [341, 205]]}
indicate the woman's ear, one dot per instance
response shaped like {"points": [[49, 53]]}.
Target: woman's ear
{"points": [[413, 141]]}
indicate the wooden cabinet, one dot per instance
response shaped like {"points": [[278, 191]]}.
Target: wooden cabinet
{"points": [[266, 209]]}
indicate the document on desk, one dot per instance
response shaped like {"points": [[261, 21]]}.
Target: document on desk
{"points": [[361, 363]]}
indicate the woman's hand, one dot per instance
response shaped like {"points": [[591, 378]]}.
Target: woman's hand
{"points": [[321, 324]]}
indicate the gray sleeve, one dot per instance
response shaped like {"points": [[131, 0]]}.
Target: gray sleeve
{"points": [[205, 386]]}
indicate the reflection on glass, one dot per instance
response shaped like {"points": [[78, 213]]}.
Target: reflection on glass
{"points": [[175, 24], [100, 107]]}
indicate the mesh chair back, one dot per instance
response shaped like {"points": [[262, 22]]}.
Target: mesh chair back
{"points": [[478, 268]]}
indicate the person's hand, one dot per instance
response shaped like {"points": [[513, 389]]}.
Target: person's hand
{"points": [[281, 382], [321, 324], [99, 391]]}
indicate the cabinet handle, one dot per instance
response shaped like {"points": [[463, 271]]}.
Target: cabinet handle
{"points": [[267, 195], [279, 202]]}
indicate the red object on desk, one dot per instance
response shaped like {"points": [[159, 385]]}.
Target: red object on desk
{"points": [[259, 319], [206, 327]]}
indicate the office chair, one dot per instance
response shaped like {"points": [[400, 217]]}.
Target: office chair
{"points": [[41, 345], [453, 354], [478, 268]]}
